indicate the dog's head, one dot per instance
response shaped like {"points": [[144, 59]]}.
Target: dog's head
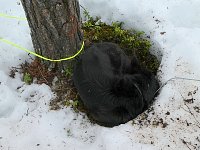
{"points": [[148, 85], [141, 87]]}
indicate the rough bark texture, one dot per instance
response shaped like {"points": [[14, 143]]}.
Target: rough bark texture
{"points": [[55, 28]]}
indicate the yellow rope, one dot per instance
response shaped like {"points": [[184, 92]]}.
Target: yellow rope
{"points": [[12, 17], [33, 53], [42, 57]]}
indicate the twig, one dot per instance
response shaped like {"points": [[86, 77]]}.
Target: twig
{"points": [[193, 115], [189, 111], [83, 8], [27, 112], [43, 75], [30, 56], [186, 143]]}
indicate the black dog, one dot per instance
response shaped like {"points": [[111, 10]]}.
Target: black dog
{"points": [[114, 88]]}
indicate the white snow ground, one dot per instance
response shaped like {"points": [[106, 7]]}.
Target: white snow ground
{"points": [[27, 123]]}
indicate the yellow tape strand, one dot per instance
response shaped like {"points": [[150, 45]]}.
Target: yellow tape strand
{"points": [[42, 57], [12, 17], [33, 53]]}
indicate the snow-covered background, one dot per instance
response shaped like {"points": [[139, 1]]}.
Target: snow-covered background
{"points": [[174, 27]]}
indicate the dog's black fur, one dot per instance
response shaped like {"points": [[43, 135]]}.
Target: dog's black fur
{"points": [[114, 88]]}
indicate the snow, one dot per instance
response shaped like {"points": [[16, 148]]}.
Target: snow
{"points": [[27, 123]]}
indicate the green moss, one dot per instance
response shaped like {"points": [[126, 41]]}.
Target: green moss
{"points": [[131, 41], [27, 78], [68, 71], [75, 104]]}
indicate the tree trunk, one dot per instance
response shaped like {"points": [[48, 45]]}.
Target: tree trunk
{"points": [[55, 28]]}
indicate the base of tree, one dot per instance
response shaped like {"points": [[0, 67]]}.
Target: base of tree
{"points": [[94, 31]]}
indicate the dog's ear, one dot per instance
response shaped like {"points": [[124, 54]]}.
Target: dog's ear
{"points": [[135, 65]]}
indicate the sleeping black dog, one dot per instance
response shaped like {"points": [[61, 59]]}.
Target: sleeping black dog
{"points": [[114, 88]]}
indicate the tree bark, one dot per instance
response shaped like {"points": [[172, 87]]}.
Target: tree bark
{"points": [[55, 28]]}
